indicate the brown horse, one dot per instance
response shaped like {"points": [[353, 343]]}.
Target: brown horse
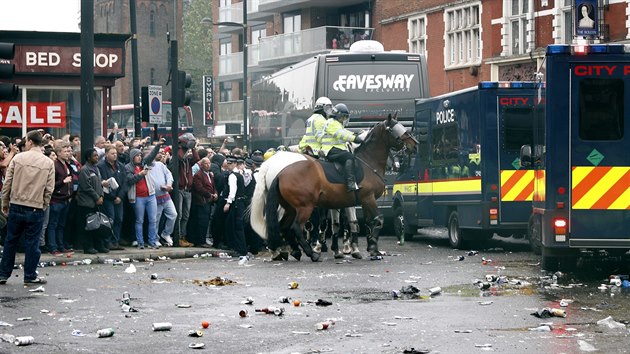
{"points": [[297, 184]]}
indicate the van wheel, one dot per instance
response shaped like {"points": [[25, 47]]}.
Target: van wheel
{"points": [[549, 261], [401, 230], [455, 234], [534, 234]]}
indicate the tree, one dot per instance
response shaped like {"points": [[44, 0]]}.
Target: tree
{"points": [[197, 58]]}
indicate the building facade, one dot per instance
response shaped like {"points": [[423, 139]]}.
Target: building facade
{"points": [[464, 41]]}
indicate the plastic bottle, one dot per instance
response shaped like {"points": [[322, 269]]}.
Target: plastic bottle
{"points": [[26, 340], [106, 332]]}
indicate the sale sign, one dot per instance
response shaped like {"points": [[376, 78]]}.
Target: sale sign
{"points": [[37, 115]]}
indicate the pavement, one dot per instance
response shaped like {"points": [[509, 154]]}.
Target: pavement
{"points": [[129, 252]]}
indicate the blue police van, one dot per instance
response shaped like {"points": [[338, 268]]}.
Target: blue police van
{"points": [[466, 174], [581, 156]]}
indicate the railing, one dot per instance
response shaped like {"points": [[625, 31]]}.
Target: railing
{"points": [[234, 12], [232, 64], [312, 40]]}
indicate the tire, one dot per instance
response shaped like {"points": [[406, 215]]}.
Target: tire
{"points": [[455, 234], [549, 261], [534, 234], [401, 229]]}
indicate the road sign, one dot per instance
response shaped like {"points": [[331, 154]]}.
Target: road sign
{"points": [[208, 101], [155, 105]]}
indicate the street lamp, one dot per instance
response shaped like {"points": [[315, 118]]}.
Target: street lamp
{"points": [[209, 22]]}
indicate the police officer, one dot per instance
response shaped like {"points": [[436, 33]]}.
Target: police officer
{"points": [[314, 126], [334, 139], [235, 205]]}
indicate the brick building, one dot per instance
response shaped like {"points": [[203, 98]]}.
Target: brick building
{"points": [[464, 41]]}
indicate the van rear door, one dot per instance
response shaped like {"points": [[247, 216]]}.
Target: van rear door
{"points": [[516, 115], [599, 154]]}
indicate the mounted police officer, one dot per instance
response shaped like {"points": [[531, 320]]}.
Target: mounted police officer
{"points": [[314, 126], [334, 138]]}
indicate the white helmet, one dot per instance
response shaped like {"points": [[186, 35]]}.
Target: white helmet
{"points": [[323, 104]]}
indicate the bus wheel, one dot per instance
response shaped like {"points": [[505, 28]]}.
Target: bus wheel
{"points": [[401, 229], [455, 234], [534, 234]]}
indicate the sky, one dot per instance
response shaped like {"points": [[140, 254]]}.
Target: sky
{"points": [[40, 15]]}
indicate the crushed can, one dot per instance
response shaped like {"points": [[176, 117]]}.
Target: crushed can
{"points": [[376, 258], [162, 326], [195, 333], [558, 313], [25, 340], [104, 333], [293, 285], [249, 300], [435, 291], [283, 300], [154, 276], [242, 313], [324, 325], [491, 278]]}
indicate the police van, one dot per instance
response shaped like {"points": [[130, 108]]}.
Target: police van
{"points": [[466, 173], [581, 155]]}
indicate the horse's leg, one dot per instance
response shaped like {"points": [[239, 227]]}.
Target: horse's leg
{"points": [[375, 221], [298, 226], [336, 230], [312, 229], [323, 228], [345, 230], [354, 232], [280, 253]]}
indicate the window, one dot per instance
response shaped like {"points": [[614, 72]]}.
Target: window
{"points": [[445, 142], [517, 127], [225, 92], [518, 23], [567, 22], [417, 35], [152, 23], [463, 42], [601, 109], [225, 59]]}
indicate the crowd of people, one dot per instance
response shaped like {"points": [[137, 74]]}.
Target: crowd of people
{"points": [[131, 182], [49, 192]]}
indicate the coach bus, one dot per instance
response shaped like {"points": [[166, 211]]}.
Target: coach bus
{"points": [[123, 117], [372, 82]]}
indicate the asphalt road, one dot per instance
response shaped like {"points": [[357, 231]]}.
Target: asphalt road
{"points": [[367, 317]]}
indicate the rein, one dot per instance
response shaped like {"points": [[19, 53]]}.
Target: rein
{"points": [[370, 168]]}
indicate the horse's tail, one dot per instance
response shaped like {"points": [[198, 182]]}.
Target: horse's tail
{"points": [[272, 215], [265, 176], [257, 206]]}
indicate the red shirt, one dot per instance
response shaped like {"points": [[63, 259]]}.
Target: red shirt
{"points": [[141, 187]]}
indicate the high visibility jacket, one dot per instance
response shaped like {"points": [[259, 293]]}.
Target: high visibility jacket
{"points": [[314, 126], [335, 135]]}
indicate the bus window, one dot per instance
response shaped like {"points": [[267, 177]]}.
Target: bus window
{"points": [[518, 127], [601, 109]]}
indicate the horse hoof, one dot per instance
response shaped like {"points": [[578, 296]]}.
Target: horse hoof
{"points": [[316, 257], [357, 255], [339, 255], [279, 256], [375, 253], [324, 247], [317, 247], [346, 248], [296, 254]]}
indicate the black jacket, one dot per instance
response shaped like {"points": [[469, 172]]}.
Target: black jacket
{"points": [[119, 174]]}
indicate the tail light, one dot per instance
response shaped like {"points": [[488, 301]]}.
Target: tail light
{"points": [[560, 229], [494, 216]]}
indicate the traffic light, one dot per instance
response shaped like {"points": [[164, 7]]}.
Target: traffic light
{"points": [[184, 82], [7, 91]]}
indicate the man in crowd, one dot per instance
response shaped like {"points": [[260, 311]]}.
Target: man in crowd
{"points": [[188, 156], [234, 207], [114, 194], [28, 187], [203, 195], [163, 182], [89, 197], [60, 202]]}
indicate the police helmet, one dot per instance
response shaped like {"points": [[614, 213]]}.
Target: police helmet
{"points": [[323, 104], [270, 152], [341, 112], [282, 148]]}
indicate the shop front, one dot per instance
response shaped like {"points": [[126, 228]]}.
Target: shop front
{"points": [[48, 72]]}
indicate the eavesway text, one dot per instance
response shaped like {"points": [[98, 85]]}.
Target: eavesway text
{"points": [[374, 83]]}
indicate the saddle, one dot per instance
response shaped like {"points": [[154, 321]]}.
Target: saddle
{"points": [[334, 172]]}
